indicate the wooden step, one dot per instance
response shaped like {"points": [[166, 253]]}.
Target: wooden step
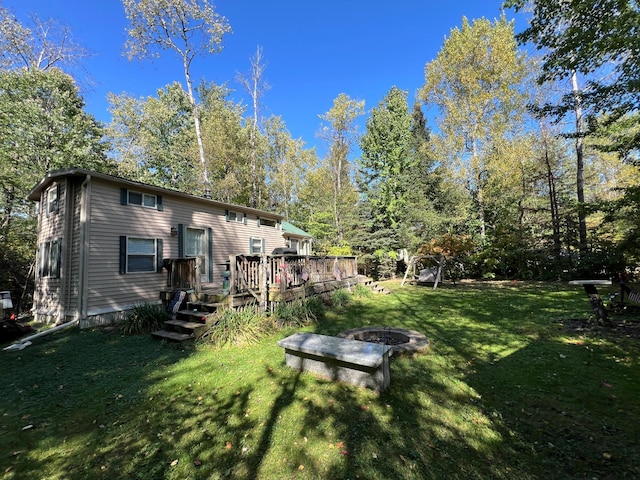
{"points": [[204, 306], [173, 336], [180, 325], [195, 316]]}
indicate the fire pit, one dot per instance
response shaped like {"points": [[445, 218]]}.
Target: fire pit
{"points": [[400, 340]]}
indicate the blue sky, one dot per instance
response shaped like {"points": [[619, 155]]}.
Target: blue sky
{"points": [[314, 50]]}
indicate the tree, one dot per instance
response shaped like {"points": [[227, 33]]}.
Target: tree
{"points": [[339, 132], [188, 27], [256, 86], [152, 138], [594, 39], [386, 159], [477, 83], [42, 127], [287, 163], [47, 45], [226, 145], [587, 37]]}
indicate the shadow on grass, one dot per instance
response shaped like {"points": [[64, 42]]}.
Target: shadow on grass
{"points": [[500, 394], [566, 404]]}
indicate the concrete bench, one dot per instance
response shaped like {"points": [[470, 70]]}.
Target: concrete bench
{"points": [[359, 363]]}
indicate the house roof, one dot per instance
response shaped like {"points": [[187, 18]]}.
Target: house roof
{"points": [[56, 175], [292, 230]]}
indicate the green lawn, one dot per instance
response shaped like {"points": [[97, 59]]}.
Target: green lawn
{"points": [[506, 390]]}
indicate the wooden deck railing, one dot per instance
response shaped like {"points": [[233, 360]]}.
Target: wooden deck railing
{"points": [[268, 278], [255, 273]]}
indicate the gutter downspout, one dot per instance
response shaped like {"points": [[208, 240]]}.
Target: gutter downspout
{"points": [[25, 342]]}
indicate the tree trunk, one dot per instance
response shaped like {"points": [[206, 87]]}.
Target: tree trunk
{"points": [[582, 221], [196, 123], [553, 197]]}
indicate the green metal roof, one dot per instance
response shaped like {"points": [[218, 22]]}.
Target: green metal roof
{"points": [[290, 228]]}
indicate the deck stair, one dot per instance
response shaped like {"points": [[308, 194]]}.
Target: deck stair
{"points": [[190, 322], [372, 285]]}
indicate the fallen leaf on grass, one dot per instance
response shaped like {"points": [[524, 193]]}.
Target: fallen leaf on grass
{"points": [[228, 445], [197, 462], [301, 467], [174, 463], [27, 427], [605, 384]]}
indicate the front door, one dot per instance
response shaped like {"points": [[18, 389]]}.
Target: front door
{"points": [[196, 246]]}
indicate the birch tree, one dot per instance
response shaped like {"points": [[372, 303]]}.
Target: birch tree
{"points": [[255, 85], [42, 46], [186, 27], [476, 83], [339, 132]]}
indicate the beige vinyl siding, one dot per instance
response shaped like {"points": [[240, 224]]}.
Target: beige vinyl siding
{"points": [[108, 290], [51, 227], [71, 252]]}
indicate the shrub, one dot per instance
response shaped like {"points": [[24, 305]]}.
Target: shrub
{"points": [[299, 312], [144, 318], [239, 327], [340, 298], [360, 291]]}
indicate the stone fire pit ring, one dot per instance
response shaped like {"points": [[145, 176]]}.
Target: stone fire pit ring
{"points": [[401, 341]]}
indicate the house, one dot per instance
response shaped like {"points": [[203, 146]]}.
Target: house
{"points": [[296, 238], [102, 241]]}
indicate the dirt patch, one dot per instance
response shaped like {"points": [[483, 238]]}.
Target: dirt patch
{"points": [[622, 324]]}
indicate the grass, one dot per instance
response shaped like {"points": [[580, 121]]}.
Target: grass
{"points": [[506, 390]]}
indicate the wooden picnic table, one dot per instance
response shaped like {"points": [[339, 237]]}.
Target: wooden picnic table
{"points": [[590, 287]]}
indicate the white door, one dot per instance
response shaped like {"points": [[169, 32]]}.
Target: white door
{"points": [[197, 247]]}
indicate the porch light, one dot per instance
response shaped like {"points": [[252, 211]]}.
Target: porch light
{"points": [[174, 231]]}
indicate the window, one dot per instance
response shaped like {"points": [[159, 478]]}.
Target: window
{"points": [[256, 245], [267, 223], [293, 243], [49, 255], [236, 216], [52, 200], [129, 197], [140, 255], [143, 199]]}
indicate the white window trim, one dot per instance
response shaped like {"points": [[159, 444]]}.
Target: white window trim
{"points": [[52, 200], [142, 199]]}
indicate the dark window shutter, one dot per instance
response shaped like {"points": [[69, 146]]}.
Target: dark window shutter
{"points": [[159, 203], [180, 240], [226, 215], [258, 221], [123, 196], [244, 218], [159, 255], [58, 246], [41, 260], [123, 255], [210, 253], [57, 205]]}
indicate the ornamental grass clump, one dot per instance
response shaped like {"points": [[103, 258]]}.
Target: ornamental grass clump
{"points": [[144, 318], [237, 327], [299, 312], [341, 298], [360, 291]]}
